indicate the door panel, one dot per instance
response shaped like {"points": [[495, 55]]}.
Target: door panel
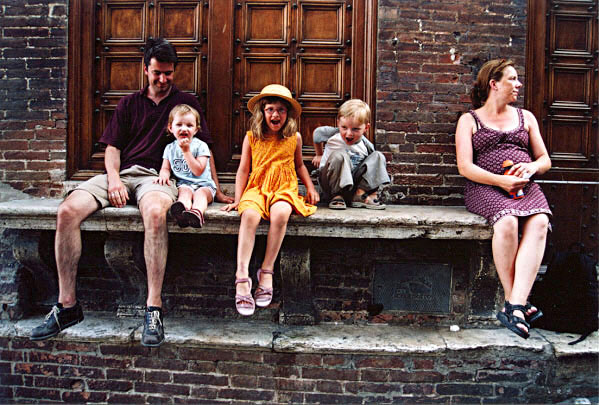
{"points": [[562, 42]]}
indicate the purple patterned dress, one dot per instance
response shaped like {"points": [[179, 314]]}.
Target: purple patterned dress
{"points": [[491, 147]]}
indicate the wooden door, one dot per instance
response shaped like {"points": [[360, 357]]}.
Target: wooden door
{"points": [[562, 92]]}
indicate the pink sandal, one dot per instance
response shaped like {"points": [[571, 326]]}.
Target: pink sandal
{"points": [[245, 303], [263, 295]]}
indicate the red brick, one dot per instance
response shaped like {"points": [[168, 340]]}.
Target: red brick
{"points": [[29, 368], [157, 376], [114, 398], [415, 376], [246, 395], [253, 357], [187, 353], [85, 396], [326, 386], [244, 369], [109, 385], [155, 388], [386, 362], [374, 375], [295, 385], [244, 381], [175, 365], [329, 374], [46, 395], [88, 372], [424, 364], [200, 379]]}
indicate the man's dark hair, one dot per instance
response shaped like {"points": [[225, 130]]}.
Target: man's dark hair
{"points": [[161, 50]]}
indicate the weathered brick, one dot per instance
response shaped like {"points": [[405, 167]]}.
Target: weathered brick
{"points": [[170, 389], [330, 374], [119, 374], [46, 395], [244, 369], [116, 398], [109, 385], [415, 376], [200, 379], [246, 395], [84, 396], [387, 362], [168, 364], [157, 376], [465, 389]]}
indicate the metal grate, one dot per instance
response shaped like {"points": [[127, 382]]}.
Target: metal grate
{"points": [[414, 287]]}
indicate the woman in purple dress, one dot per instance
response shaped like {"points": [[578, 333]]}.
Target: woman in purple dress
{"points": [[485, 138]]}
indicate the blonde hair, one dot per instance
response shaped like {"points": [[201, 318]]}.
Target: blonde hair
{"points": [[184, 109], [258, 124], [492, 70], [356, 109]]}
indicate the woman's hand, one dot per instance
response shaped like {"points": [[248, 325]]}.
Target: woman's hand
{"points": [[230, 207], [512, 184], [523, 170]]}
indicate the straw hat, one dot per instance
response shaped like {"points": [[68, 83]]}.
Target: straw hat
{"points": [[276, 90]]}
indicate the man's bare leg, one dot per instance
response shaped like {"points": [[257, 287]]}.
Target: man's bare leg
{"points": [[67, 243]]}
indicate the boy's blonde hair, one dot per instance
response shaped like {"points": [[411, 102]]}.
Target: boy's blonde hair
{"points": [[356, 109], [184, 109], [258, 124]]}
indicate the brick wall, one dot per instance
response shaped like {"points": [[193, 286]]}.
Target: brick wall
{"points": [[78, 371], [428, 55], [422, 83], [33, 71]]}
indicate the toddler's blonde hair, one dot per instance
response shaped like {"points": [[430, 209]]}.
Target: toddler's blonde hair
{"points": [[356, 109], [184, 109]]}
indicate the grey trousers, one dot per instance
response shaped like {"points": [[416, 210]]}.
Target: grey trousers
{"points": [[336, 176]]}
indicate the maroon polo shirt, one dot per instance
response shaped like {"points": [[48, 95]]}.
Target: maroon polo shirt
{"points": [[138, 127]]}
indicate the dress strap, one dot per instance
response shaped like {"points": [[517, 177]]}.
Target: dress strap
{"points": [[520, 118], [476, 120]]}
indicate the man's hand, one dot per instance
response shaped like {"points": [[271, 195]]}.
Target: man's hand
{"points": [[222, 197], [117, 193], [316, 160]]}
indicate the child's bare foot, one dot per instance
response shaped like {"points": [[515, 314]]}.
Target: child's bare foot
{"points": [[263, 294]]}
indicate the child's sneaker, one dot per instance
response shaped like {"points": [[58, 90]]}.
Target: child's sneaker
{"points": [[57, 320]]}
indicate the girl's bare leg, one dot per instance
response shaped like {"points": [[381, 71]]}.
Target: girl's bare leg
{"points": [[250, 219], [279, 216]]}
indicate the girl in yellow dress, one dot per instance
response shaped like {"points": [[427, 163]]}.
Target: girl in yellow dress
{"points": [[273, 149]]}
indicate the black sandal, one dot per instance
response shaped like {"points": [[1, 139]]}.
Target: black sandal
{"points": [[534, 316], [511, 321]]}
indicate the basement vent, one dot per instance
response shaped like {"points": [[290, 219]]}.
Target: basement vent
{"points": [[413, 287]]}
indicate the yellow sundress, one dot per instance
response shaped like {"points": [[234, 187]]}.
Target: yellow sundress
{"points": [[273, 177]]}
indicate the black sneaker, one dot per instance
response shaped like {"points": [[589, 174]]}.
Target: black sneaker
{"points": [[57, 320], [153, 334]]}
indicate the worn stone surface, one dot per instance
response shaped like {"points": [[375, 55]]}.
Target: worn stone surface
{"points": [[396, 222], [559, 342], [501, 338], [381, 339]]}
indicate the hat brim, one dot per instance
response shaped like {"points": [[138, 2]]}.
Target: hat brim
{"points": [[296, 107]]}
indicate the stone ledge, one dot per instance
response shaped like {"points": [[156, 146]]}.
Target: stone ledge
{"points": [[396, 222], [322, 339]]}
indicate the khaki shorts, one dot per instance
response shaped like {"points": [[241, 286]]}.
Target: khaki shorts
{"points": [[137, 179]]}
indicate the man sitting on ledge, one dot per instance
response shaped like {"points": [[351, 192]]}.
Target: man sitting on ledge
{"points": [[135, 139]]}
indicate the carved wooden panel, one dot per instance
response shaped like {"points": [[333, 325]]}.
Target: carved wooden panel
{"points": [[569, 138], [124, 22], [180, 21]]}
